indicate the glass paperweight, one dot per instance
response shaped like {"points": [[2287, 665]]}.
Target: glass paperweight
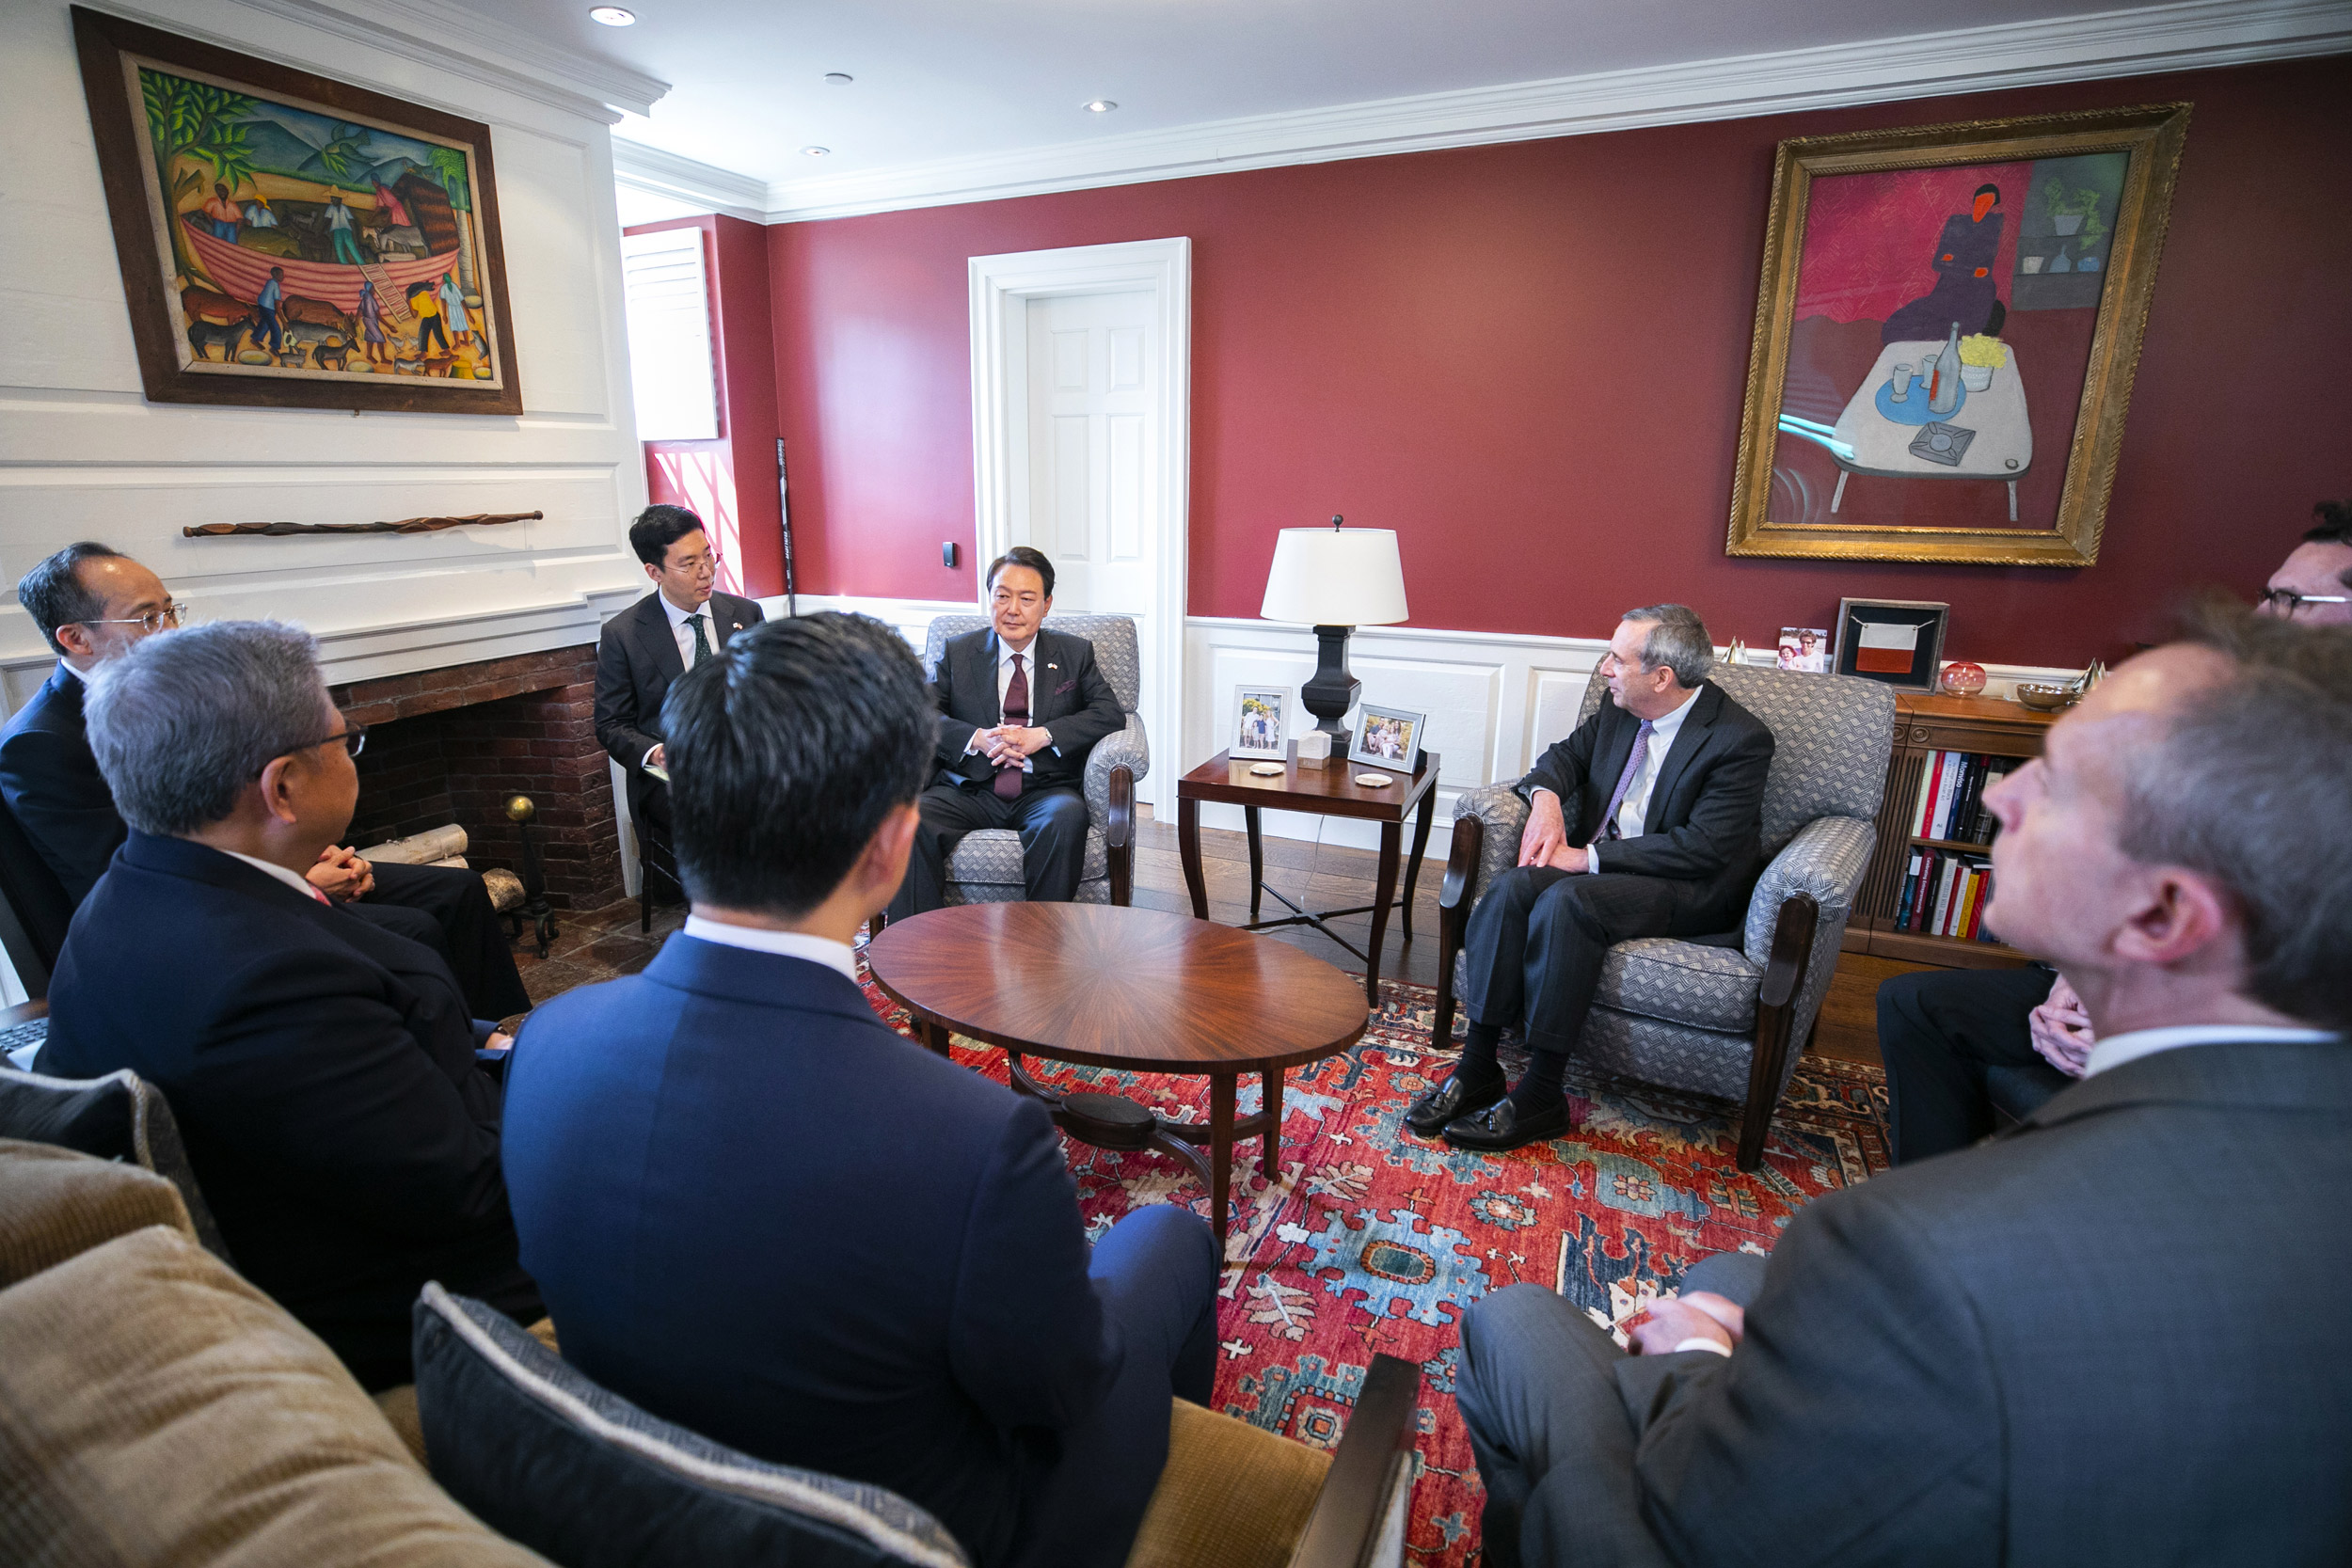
{"points": [[1962, 679]]}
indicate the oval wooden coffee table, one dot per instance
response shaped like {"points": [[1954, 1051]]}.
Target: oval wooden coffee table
{"points": [[1141, 990]]}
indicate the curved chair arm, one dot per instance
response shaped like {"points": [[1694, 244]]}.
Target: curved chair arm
{"points": [[1826, 863], [1128, 748], [1486, 826], [1118, 836], [1502, 816]]}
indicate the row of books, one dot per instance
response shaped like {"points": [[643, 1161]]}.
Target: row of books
{"points": [[1950, 806], [1945, 894]]}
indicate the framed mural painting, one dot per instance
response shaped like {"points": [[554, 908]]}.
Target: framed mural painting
{"points": [[290, 241], [1945, 332]]}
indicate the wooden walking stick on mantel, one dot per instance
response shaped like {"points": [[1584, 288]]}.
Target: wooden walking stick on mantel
{"points": [[405, 525]]}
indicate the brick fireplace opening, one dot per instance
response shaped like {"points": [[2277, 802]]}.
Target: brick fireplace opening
{"points": [[451, 745]]}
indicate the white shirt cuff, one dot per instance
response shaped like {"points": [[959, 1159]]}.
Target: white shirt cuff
{"points": [[1592, 858], [1700, 1341], [647, 759]]}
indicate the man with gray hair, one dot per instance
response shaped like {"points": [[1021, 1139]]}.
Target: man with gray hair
{"points": [[1646, 822], [2041, 1350], [322, 1069]]}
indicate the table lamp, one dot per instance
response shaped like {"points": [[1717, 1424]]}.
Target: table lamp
{"points": [[1334, 580]]}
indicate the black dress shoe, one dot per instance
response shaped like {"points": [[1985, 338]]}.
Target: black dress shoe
{"points": [[1449, 1101], [1501, 1126]]}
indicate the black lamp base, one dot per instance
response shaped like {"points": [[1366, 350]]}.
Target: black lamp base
{"points": [[1332, 692]]}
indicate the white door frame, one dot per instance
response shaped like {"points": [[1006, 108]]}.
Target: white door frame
{"points": [[1001, 287]]}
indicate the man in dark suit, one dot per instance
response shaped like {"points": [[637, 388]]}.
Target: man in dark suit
{"points": [[1020, 707], [652, 642], [760, 1213], [1951, 1038], [92, 604], [322, 1069], [1666, 787], [2041, 1350]]}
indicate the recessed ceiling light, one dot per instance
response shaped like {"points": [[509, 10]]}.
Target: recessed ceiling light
{"points": [[1100, 106], [816, 151], [838, 78], [612, 16]]}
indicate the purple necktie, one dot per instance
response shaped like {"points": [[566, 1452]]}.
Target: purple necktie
{"points": [[1624, 780], [1016, 712]]}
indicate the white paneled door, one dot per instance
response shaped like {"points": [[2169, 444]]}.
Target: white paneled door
{"points": [[1094, 486]]}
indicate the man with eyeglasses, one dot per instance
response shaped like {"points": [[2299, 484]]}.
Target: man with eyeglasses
{"points": [[1963, 1047], [654, 640], [94, 604], [322, 1069]]}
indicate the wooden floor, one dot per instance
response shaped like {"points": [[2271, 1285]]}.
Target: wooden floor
{"points": [[1327, 875]]}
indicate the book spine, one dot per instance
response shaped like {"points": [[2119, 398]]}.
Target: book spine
{"points": [[1965, 920], [1964, 817], [1943, 897], [1911, 892], [1920, 807], [1986, 823]]}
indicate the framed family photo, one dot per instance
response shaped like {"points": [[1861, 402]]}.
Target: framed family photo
{"points": [[1386, 737], [290, 241], [1260, 720], [1946, 326]]}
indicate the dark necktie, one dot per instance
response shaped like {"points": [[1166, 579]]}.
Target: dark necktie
{"points": [[1624, 780], [702, 640], [1016, 712]]}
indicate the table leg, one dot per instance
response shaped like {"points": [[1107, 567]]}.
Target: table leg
{"points": [[934, 1037], [1383, 895], [1220, 1153], [1256, 860], [1840, 494], [1189, 851], [1420, 846], [1271, 1155], [2012, 501]]}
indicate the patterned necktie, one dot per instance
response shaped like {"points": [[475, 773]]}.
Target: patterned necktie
{"points": [[1624, 780], [702, 640], [1016, 712]]}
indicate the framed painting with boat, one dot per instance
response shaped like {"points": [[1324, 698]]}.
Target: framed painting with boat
{"points": [[290, 241], [1945, 331]]}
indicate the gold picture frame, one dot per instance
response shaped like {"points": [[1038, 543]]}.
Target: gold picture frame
{"points": [[2055, 270]]}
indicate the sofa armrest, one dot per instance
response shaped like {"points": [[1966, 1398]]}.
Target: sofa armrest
{"points": [[1129, 749], [1360, 1515], [1825, 861]]}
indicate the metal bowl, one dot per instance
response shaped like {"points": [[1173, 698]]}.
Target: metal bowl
{"points": [[2045, 699]]}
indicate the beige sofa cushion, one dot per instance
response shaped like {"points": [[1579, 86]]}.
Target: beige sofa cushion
{"points": [[154, 1409], [55, 1204], [1233, 1495]]}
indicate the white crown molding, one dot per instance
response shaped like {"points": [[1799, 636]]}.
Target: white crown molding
{"points": [[494, 55], [2193, 35], [704, 186]]}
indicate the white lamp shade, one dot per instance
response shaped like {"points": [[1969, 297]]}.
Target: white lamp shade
{"points": [[1335, 577]]}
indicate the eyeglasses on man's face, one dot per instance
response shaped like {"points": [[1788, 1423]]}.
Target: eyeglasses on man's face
{"points": [[2286, 601], [151, 623], [354, 738]]}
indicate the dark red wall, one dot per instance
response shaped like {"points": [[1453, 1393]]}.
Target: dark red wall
{"points": [[731, 482], [1528, 360]]}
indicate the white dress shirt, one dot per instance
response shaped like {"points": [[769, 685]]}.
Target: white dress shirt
{"points": [[296, 882], [67, 667], [1004, 683], [2115, 1050], [833, 955], [683, 631]]}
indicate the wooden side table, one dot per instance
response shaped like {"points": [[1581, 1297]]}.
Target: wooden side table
{"points": [[1330, 792]]}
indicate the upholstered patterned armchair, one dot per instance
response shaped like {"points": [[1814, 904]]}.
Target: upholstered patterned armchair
{"points": [[986, 866], [1721, 1016]]}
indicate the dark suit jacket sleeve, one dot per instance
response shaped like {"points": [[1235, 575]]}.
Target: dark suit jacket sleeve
{"points": [[1723, 822], [63, 802], [1074, 734], [620, 728], [955, 732], [1031, 1342], [1564, 768], [1860, 1415], [317, 1074]]}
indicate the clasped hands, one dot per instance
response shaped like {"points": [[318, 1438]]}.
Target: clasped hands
{"points": [[2062, 1030], [1692, 1315], [1545, 839], [1010, 745], [342, 875]]}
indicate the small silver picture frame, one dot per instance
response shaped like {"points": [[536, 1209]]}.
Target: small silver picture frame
{"points": [[1386, 737], [1260, 727]]}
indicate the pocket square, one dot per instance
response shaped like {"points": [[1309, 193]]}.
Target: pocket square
{"points": [[1066, 686]]}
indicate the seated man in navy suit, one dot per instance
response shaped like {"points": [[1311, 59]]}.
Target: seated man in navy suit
{"points": [[758, 1213], [92, 603], [1019, 709], [322, 1069]]}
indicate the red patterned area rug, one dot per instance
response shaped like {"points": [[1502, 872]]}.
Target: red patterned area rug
{"points": [[1375, 1241]]}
